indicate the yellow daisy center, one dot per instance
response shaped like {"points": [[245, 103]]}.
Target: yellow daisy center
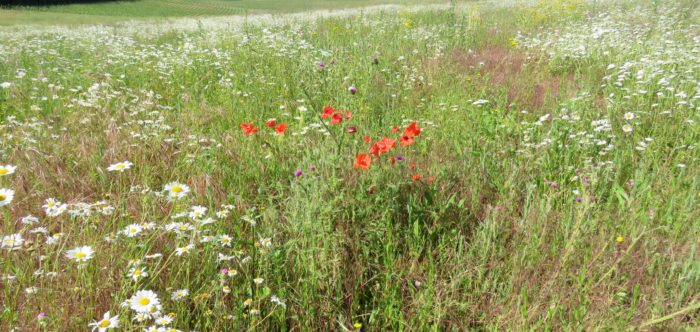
{"points": [[104, 323], [120, 166], [10, 242], [144, 301], [3, 171], [80, 255], [2, 197], [137, 272], [176, 189]]}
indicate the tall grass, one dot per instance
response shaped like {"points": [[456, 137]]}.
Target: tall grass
{"points": [[554, 184]]}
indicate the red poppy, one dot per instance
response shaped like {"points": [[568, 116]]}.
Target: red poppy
{"points": [[336, 119], [367, 138], [362, 161], [392, 160], [394, 129], [281, 128], [376, 149], [327, 112], [348, 114], [406, 140], [390, 143], [412, 166], [415, 177], [431, 179], [248, 128], [412, 130], [271, 123], [382, 146]]}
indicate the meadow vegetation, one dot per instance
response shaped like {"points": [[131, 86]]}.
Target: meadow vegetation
{"points": [[487, 166]]}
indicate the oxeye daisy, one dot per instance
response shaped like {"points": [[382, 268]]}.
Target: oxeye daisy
{"points": [[176, 190], [120, 167], [225, 240], [132, 230], [629, 116], [184, 250], [179, 294], [80, 254], [164, 320], [144, 301], [627, 128], [6, 196], [105, 323], [7, 169], [198, 212], [137, 272], [12, 242]]}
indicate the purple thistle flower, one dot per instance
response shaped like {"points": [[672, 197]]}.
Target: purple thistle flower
{"points": [[312, 168], [298, 173], [352, 89]]}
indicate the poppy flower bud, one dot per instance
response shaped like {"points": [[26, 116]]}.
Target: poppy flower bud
{"points": [[352, 130]]}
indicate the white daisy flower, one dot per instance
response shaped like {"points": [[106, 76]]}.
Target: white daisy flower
{"points": [[12, 242], [7, 169], [627, 128], [137, 272], [120, 167], [164, 320], [80, 254], [144, 301], [258, 281], [54, 208], [6, 196], [132, 230], [184, 250], [198, 212], [179, 294], [29, 220], [629, 116], [176, 190], [105, 323], [225, 240]]}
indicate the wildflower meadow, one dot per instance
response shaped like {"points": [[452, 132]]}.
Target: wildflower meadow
{"points": [[527, 165]]}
